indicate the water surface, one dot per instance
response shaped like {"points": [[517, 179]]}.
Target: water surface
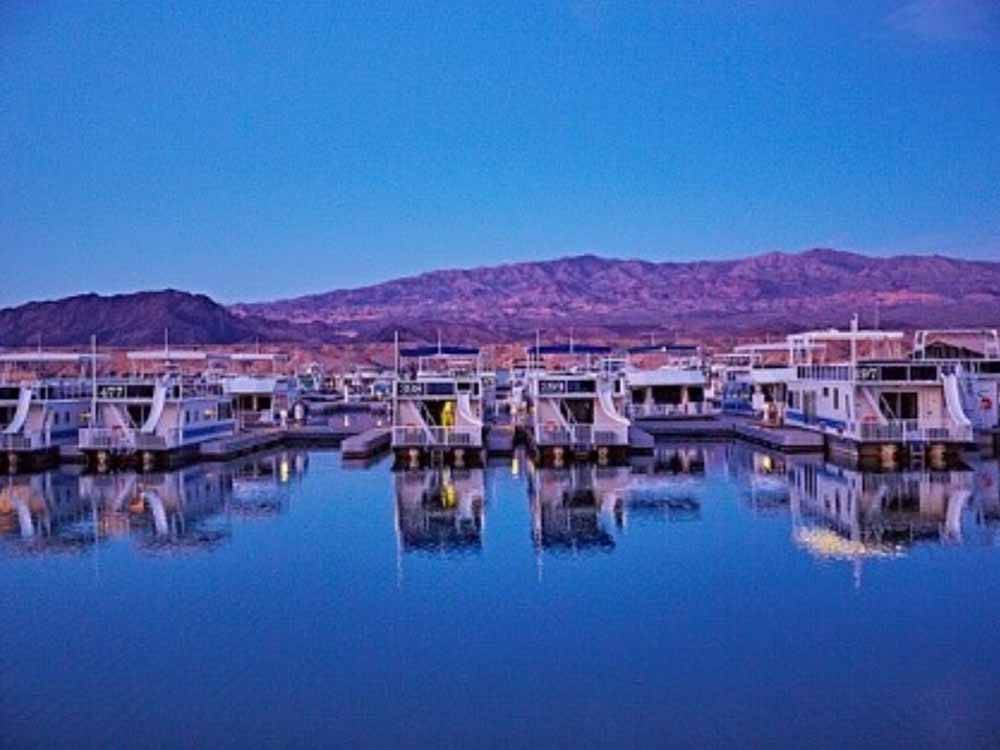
{"points": [[713, 595]]}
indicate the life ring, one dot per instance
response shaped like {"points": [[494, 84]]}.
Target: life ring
{"points": [[986, 403]]}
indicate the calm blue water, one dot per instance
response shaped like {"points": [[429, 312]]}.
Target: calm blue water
{"points": [[715, 596]]}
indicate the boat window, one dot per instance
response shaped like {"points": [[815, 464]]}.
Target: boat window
{"points": [[836, 399], [923, 372], [899, 405], [667, 394], [696, 393], [439, 389], [581, 386], [895, 373]]}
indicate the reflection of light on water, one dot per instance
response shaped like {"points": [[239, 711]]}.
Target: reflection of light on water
{"points": [[515, 467], [284, 470], [828, 544]]}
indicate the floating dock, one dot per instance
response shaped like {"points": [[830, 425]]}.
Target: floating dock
{"points": [[368, 444], [721, 427], [784, 439], [500, 440]]}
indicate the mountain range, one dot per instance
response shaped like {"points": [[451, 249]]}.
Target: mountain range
{"points": [[589, 295]]}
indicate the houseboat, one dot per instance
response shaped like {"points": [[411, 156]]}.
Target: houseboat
{"points": [[974, 356], [576, 413], [262, 400], [39, 414], [676, 388], [154, 421], [755, 380], [437, 414], [873, 404]]}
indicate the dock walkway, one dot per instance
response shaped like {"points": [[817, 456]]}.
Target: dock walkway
{"points": [[785, 439], [366, 445]]}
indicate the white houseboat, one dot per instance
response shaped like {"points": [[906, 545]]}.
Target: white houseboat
{"points": [[974, 355], [874, 406], [437, 413], [755, 380], [579, 412], [154, 421], [39, 414]]}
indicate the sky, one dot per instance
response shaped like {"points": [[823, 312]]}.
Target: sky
{"points": [[255, 151]]}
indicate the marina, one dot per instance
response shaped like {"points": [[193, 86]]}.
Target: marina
{"points": [[862, 397]]}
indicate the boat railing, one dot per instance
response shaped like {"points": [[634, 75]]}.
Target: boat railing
{"points": [[105, 438], [439, 437], [116, 439], [649, 411], [915, 431], [23, 442], [578, 435]]}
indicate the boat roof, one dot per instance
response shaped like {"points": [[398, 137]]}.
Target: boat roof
{"points": [[664, 348], [439, 350], [37, 356], [169, 355], [256, 357], [569, 349]]}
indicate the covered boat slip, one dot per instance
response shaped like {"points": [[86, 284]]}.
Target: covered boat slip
{"points": [[667, 381], [667, 393]]}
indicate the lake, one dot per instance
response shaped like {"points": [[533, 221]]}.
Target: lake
{"points": [[711, 595]]}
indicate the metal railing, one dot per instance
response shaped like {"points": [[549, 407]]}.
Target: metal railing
{"points": [[109, 439], [438, 437], [649, 411], [913, 431], [23, 442], [578, 435]]}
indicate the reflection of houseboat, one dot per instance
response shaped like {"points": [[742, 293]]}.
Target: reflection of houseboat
{"points": [[876, 408], [576, 413], [438, 407], [260, 483], [153, 421], [440, 510], [672, 458], [42, 512], [847, 513], [576, 507]]}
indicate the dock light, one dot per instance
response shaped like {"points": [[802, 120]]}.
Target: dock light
{"points": [[284, 470]]}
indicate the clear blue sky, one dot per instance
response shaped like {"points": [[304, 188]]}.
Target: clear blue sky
{"points": [[258, 150]]}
